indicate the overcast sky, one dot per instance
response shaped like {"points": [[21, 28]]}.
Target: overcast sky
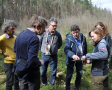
{"points": [[103, 4]]}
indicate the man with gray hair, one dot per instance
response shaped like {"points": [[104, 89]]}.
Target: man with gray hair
{"points": [[6, 45], [26, 47], [51, 41]]}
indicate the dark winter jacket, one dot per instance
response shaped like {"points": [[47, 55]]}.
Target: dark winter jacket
{"points": [[70, 48], [29, 47]]}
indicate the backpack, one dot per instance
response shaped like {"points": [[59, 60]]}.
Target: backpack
{"points": [[108, 46]]}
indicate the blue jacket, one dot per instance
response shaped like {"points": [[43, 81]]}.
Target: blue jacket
{"points": [[99, 58], [29, 47], [70, 48]]}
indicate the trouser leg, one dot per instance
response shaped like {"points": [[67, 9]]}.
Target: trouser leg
{"points": [[43, 73], [68, 77], [105, 82], [34, 81], [44, 68], [16, 83], [97, 82], [53, 67], [23, 84], [79, 67], [9, 75]]}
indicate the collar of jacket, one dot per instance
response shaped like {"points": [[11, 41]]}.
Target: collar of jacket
{"points": [[70, 36], [99, 41]]}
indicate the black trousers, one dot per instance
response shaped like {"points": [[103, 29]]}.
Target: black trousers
{"points": [[32, 82], [105, 82], [11, 79]]}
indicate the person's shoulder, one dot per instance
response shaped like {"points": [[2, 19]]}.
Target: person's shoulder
{"points": [[81, 34], [103, 40], [3, 36], [69, 35], [58, 33]]}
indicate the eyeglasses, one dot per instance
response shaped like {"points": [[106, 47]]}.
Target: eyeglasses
{"points": [[54, 25]]}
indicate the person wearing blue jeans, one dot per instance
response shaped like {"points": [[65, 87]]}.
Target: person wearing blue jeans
{"points": [[75, 48], [50, 42], [79, 66], [53, 66]]}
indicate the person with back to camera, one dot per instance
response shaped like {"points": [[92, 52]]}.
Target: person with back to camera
{"points": [[28, 43], [6, 45], [108, 40], [51, 41], [99, 57], [75, 47]]}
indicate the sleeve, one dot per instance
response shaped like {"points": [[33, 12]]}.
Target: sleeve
{"points": [[14, 49], [1, 43], [59, 41], [33, 60], [101, 54], [67, 49]]}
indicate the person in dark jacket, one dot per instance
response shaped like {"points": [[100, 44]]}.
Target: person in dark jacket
{"points": [[51, 41], [28, 43], [75, 47], [108, 40], [99, 57]]}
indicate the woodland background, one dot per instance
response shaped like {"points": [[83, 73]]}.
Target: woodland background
{"points": [[68, 12]]}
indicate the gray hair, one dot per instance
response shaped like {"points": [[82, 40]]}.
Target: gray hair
{"points": [[38, 20], [7, 24], [75, 27], [53, 19]]}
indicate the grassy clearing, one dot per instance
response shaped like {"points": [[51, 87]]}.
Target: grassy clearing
{"points": [[60, 82]]}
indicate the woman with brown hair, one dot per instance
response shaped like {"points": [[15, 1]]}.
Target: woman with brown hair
{"points": [[108, 40], [105, 31], [99, 57]]}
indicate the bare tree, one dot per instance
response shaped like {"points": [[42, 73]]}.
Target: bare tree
{"points": [[7, 9], [2, 11]]}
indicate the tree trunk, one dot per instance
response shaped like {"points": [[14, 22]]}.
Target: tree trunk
{"points": [[30, 8], [7, 12], [2, 11], [15, 10], [37, 7]]}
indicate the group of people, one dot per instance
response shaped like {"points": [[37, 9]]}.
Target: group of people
{"points": [[27, 43], [76, 54]]}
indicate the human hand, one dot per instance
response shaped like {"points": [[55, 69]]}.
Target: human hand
{"points": [[42, 63], [5, 55], [75, 57], [87, 62], [83, 58]]}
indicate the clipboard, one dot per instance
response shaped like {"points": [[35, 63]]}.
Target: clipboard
{"points": [[77, 60]]}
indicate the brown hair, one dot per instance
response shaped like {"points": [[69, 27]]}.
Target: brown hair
{"points": [[103, 26], [97, 31], [38, 20], [105, 32]]}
